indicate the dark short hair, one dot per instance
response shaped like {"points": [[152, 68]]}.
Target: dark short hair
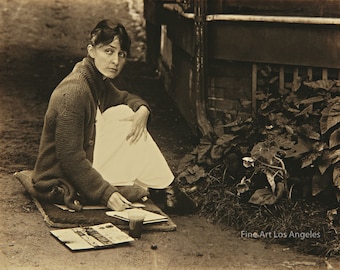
{"points": [[106, 30]]}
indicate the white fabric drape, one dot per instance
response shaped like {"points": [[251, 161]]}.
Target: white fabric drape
{"points": [[121, 163]]}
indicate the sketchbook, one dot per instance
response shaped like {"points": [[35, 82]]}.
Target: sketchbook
{"points": [[150, 217], [92, 237], [96, 207]]}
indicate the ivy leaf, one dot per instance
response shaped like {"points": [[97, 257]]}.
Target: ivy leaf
{"points": [[336, 175], [185, 162], [203, 148], [312, 100], [289, 129], [319, 183], [334, 139], [334, 156], [265, 71], [225, 139], [243, 186], [232, 124], [266, 196], [283, 143], [293, 110], [261, 149], [330, 115], [300, 148], [274, 79], [308, 160], [245, 103], [260, 96], [217, 151], [307, 130], [306, 111], [218, 128], [265, 105], [262, 196], [292, 98], [320, 84], [325, 161], [192, 174]]}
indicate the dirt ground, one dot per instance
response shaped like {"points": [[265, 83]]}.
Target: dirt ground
{"points": [[39, 43]]}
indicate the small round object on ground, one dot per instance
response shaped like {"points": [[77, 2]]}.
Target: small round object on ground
{"points": [[154, 246]]}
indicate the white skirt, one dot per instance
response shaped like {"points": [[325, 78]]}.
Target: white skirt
{"points": [[123, 164]]}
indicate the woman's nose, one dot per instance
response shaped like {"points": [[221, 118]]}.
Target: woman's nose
{"points": [[115, 58]]}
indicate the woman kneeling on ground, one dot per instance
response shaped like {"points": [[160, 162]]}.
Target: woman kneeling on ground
{"points": [[95, 147]]}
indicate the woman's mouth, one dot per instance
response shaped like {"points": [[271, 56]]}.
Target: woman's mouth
{"points": [[113, 70]]}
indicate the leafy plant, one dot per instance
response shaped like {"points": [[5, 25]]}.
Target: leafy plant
{"points": [[265, 160], [309, 116], [298, 127], [289, 151]]}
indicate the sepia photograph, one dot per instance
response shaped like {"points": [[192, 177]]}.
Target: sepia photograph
{"points": [[169, 134]]}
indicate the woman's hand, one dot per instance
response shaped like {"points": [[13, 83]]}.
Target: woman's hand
{"points": [[118, 202], [139, 123]]}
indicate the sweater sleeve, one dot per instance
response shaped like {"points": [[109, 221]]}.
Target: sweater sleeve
{"points": [[113, 96], [69, 140]]}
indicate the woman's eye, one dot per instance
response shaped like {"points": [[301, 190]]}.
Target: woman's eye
{"points": [[109, 51], [122, 54]]}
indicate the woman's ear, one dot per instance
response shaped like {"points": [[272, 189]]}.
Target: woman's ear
{"points": [[91, 50]]}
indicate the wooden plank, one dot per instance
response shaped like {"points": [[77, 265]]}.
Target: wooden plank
{"points": [[310, 73], [180, 30], [324, 74], [225, 104], [274, 19], [295, 73], [275, 43], [253, 88], [282, 77], [315, 8]]}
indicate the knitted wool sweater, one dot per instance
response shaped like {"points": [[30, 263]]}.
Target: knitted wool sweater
{"points": [[67, 141]]}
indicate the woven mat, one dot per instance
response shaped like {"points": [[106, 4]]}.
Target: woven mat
{"points": [[58, 218]]}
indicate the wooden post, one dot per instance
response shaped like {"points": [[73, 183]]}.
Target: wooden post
{"points": [[282, 77], [310, 73], [153, 32], [200, 32], [324, 74], [254, 89], [295, 73]]}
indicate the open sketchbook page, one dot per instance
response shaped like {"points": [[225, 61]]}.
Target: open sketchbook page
{"points": [[150, 217], [91, 237], [95, 207]]}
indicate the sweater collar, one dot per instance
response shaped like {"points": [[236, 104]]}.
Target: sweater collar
{"points": [[93, 76]]}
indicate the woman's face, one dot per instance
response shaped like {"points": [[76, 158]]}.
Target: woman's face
{"points": [[109, 59]]}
